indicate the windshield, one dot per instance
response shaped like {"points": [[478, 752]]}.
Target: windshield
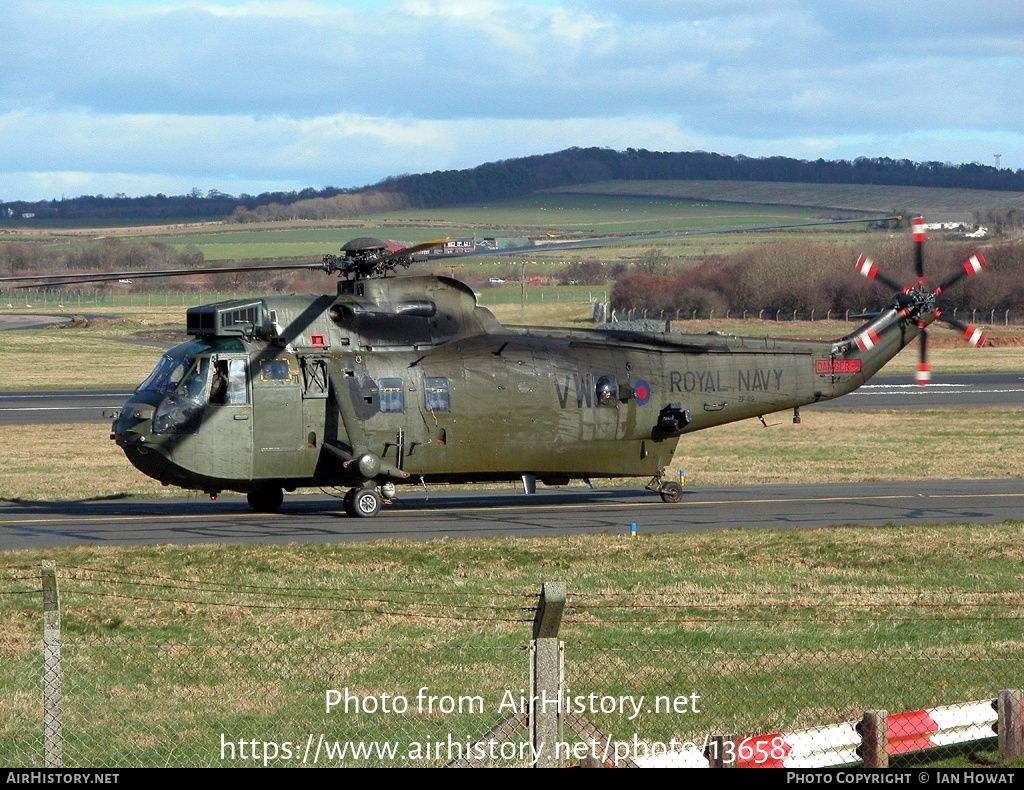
{"points": [[166, 375], [181, 411]]}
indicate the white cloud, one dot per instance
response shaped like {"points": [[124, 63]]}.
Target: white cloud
{"points": [[311, 92]]}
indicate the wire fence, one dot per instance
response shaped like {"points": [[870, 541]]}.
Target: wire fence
{"points": [[211, 673], [979, 317], [68, 300]]}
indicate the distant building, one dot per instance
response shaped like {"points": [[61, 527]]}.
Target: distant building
{"points": [[455, 245]]}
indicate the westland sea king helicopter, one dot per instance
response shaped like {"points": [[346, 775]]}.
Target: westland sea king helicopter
{"points": [[408, 380]]}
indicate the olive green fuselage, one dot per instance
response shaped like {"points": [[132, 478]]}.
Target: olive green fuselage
{"points": [[411, 373]]}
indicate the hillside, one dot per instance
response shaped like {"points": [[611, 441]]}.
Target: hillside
{"points": [[520, 177], [936, 203]]}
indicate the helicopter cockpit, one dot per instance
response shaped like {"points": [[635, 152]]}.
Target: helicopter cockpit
{"points": [[185, 380]]}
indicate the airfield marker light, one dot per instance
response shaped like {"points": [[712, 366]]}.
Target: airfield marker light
{"points": [[632, 530], [682, 477]]}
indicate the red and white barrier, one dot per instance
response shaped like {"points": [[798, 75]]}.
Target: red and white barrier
{"points": [[837, 744]]}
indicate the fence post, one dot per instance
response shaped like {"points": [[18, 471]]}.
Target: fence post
{"points": [[1010, 724], [546, 676], [53, 730], [721, 752], [874, 739]]}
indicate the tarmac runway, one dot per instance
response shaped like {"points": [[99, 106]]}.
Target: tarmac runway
{"points": [[414, 516]]}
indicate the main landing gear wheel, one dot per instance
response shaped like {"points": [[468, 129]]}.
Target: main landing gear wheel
{"points": [[362, 502], [671, 493], [266, 500]]}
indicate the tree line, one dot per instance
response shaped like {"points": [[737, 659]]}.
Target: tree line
{"points": [[802, 277]]}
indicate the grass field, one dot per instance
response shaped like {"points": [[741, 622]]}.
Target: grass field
{"points": [[544, 216], [937, 205], [167, 648]]}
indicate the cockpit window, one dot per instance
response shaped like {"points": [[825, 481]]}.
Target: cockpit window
{"points": [[193, 386], [167, 374], [181, 411]]}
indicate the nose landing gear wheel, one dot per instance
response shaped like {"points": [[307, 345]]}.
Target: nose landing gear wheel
{"points": [[362, 502], [671, 493]]}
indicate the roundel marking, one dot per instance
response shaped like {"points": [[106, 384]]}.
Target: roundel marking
{"points": [[642, 392]]}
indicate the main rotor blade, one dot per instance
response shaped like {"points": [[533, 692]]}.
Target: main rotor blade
{"points": [[423, 245], [604, 241], [48, 280]]}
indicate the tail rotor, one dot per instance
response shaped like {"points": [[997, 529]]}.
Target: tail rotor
{"points": [[917, 302]]}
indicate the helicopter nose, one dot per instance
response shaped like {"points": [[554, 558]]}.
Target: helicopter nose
{"points": [[133, 424]]}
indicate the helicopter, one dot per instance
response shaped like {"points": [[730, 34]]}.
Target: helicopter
{"points": [[399, 380]]}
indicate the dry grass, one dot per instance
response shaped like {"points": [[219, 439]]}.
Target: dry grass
{"points": [[841, 446], [68, 462]]}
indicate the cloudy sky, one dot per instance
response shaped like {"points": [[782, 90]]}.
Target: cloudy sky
{"points": [[147, 96]]}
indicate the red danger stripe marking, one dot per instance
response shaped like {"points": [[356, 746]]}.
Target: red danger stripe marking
{"points": [[866, 340]]}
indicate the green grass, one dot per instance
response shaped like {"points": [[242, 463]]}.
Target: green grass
{"points": [[168, 647], [566, 216]]}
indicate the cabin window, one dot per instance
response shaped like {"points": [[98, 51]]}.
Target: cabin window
{"points": [[436, 394], [228, 385], [606, 390], [275, 370], [392, 395]]}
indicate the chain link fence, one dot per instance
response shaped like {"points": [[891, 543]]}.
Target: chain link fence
{"points": [[702, 681]]}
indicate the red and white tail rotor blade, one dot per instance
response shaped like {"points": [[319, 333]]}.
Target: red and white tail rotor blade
{"points": [[867, 269], [971, 267], [918, 226], [924, 370], [971, 333]]}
